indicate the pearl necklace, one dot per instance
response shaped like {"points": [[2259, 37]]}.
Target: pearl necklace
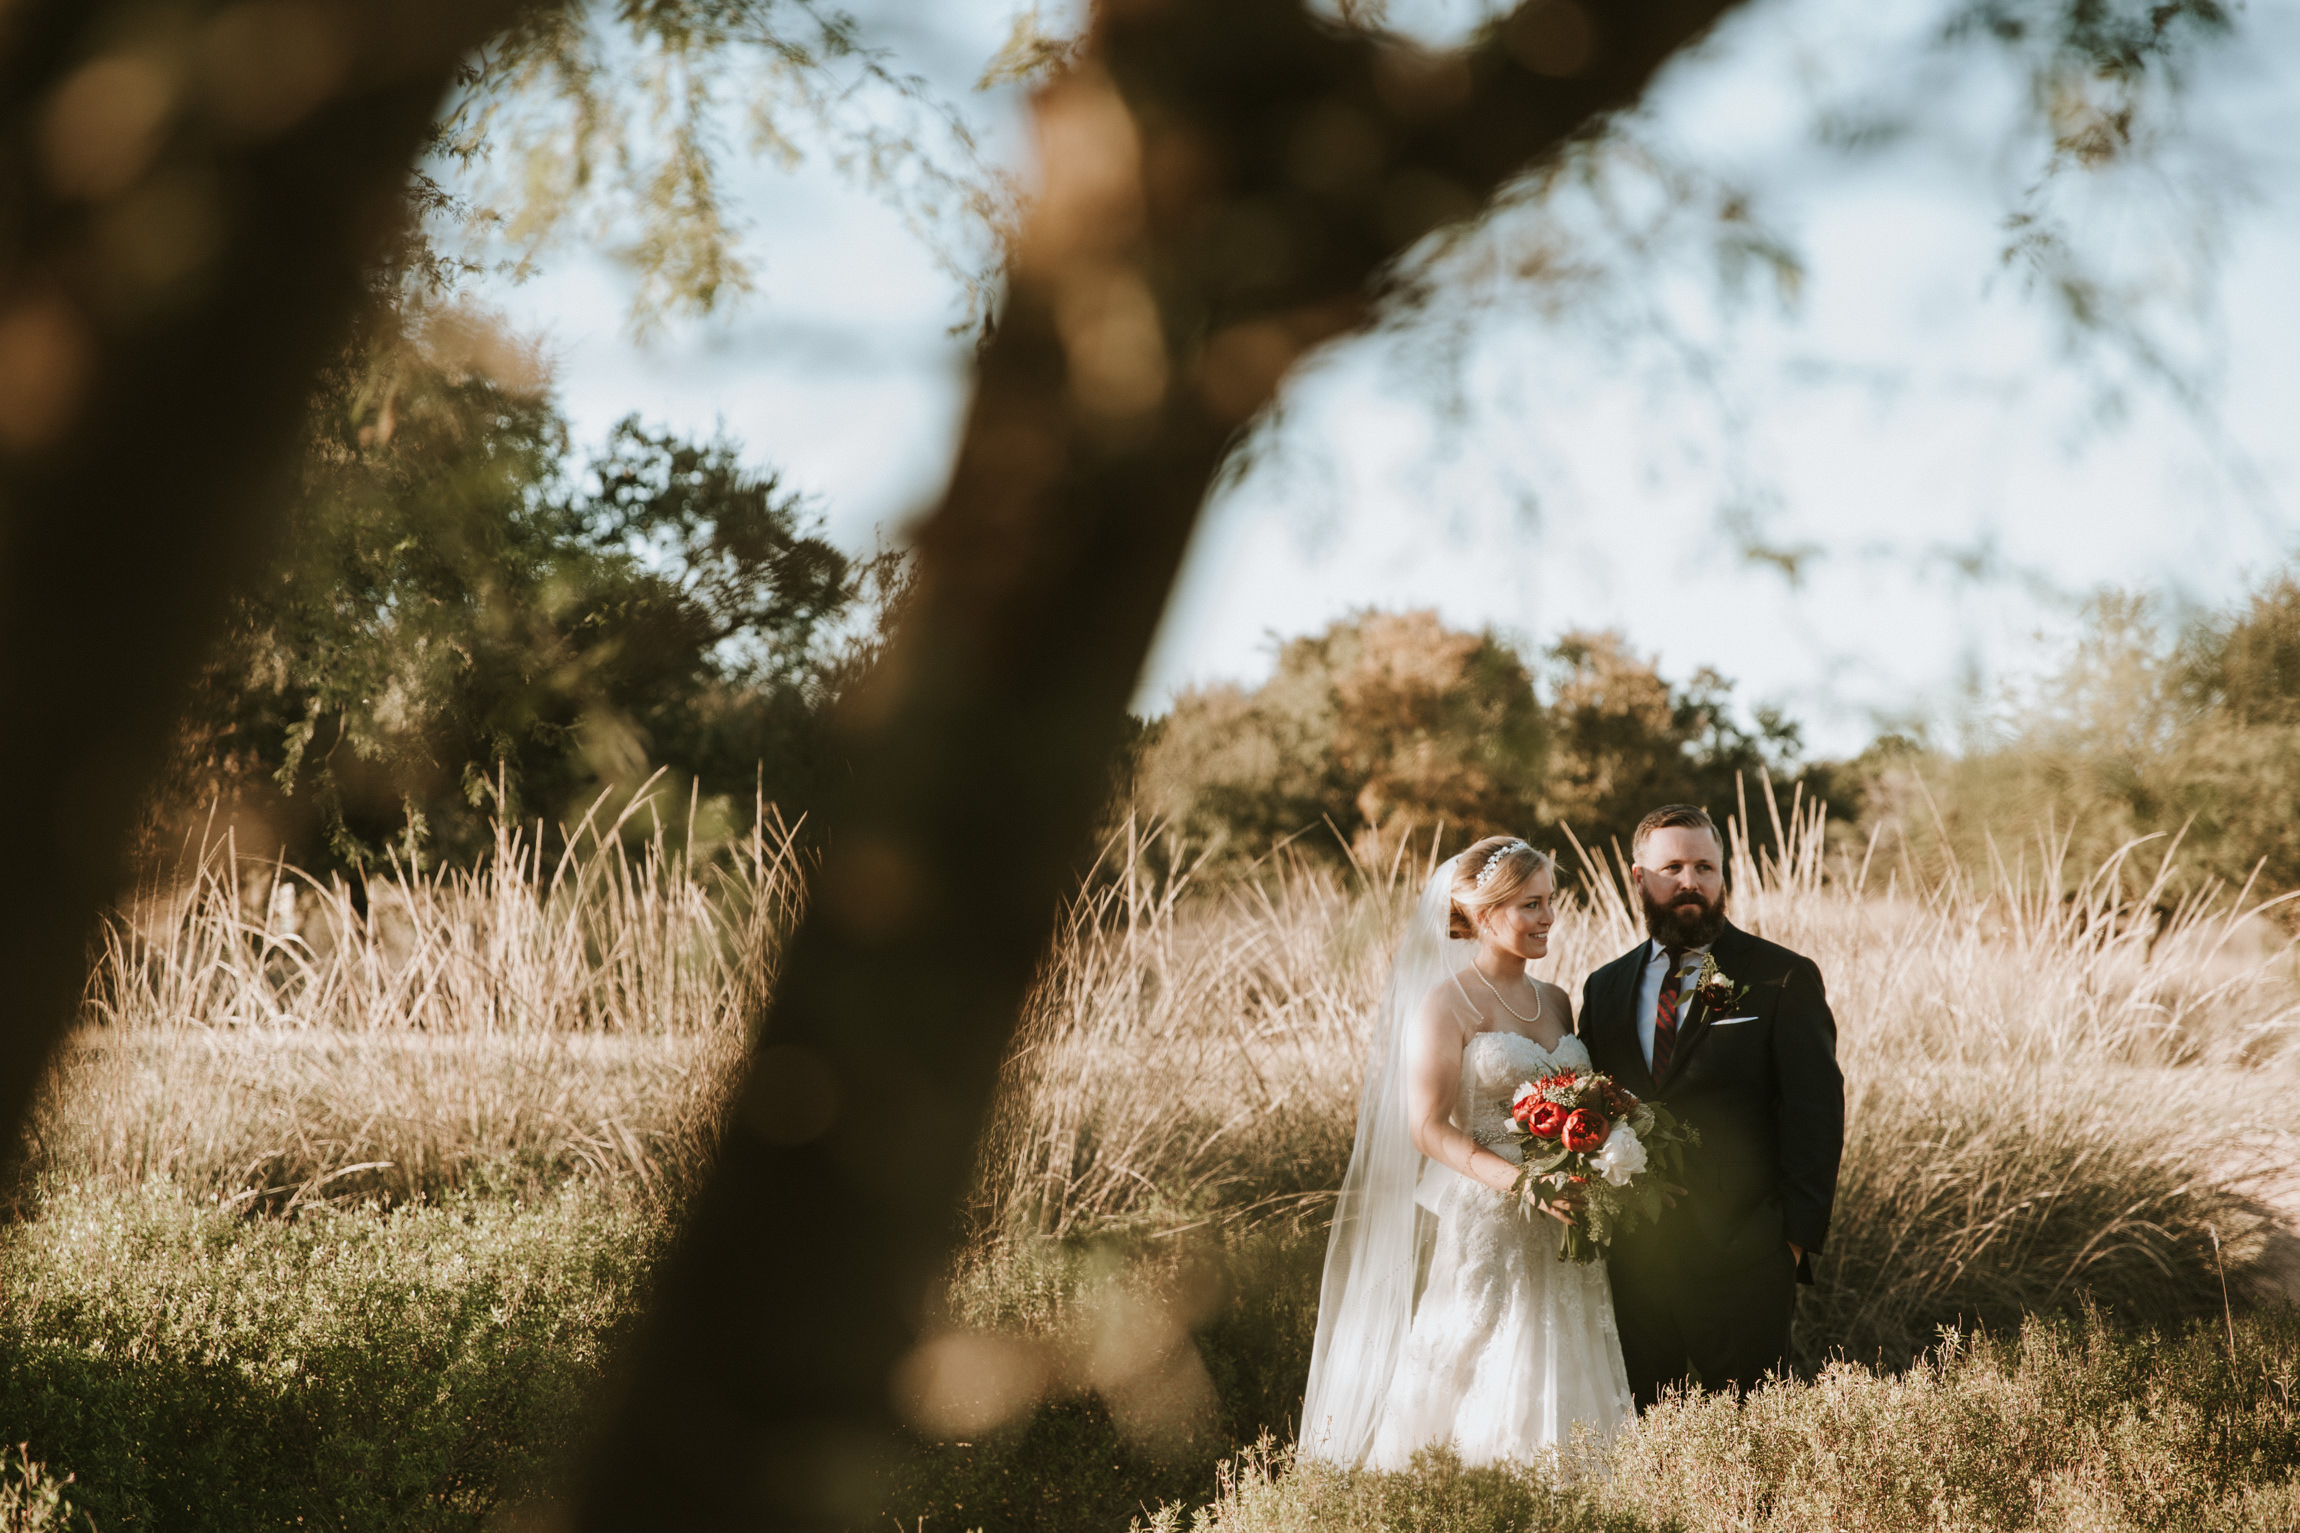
{"points": [[1505, 1006]]}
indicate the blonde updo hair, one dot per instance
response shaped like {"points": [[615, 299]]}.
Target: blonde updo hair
{"points": [[1518, 865]]}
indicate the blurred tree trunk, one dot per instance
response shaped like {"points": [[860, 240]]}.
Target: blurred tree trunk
{"points": [[192, 194], [1224, 178]]}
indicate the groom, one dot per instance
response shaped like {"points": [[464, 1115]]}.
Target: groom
{"points": [[1703, 1294]]}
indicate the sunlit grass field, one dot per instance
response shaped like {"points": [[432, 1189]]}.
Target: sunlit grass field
{"points": [[337, 1208]]}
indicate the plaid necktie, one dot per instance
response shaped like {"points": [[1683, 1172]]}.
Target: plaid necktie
{"points": [[1665, 1014]]}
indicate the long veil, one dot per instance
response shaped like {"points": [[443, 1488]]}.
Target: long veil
{"points": [[1366, 1302]]}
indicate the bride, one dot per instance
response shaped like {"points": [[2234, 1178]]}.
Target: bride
{"points": [[1445, 1317]]}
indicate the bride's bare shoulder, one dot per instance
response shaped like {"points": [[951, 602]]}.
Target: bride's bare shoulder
{"points": [[1445, 1006]]}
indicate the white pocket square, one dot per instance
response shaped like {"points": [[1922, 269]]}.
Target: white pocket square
{"points": [[1730, 1021]]}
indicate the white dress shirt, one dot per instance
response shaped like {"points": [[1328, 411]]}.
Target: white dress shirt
{"points": [[1649, 990]]}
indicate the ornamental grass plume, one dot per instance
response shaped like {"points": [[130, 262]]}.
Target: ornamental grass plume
{"points": [[265, 1039]]}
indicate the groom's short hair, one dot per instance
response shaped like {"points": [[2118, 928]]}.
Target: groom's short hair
{"points": [[1674, 817]]}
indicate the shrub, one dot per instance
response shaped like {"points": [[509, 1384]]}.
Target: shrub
{"points": [[353, 1369], [2068, 1424], [2070, 1427], [1267, 1491], [1075, 1462]]}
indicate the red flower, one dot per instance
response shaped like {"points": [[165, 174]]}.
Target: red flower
{"points": [[1546, 1120], [1585, 1130], [1618, 1103]]}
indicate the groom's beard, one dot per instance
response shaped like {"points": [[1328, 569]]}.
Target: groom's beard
{"points": [[1687, 920]]}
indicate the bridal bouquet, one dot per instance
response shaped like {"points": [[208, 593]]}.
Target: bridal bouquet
{"points": [[1586, 1137]]}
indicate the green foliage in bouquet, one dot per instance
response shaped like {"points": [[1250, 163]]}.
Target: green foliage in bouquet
{"points": [[1599, 1153]]}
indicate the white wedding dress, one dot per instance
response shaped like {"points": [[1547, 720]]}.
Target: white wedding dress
{"points": [[1503, 1351], [1511, 1350]]}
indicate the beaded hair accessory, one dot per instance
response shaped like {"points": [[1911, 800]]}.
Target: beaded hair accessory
{"points": [[1493, 863]]}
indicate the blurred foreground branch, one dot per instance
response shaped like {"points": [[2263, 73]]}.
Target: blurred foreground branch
{"points": [[1223, 181]]}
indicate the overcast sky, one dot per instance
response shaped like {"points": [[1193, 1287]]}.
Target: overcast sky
{"points": [[1913, 417]]}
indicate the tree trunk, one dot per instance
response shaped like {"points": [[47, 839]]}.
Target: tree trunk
{"points": [[1224, 178], [192, 196]]}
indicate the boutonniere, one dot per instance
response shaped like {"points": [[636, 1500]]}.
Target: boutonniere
{"points": [[1714, 989]]}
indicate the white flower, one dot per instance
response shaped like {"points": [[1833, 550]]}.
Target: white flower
{"points": [[1623, 1156], [1524, 1090]]}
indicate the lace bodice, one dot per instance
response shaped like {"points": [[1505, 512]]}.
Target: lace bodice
{"points": [[1493, 1066]]}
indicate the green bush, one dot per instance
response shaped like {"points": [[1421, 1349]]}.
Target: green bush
{"points": [[2073, 1388], [2072, 1427], [349, 1369], [2070, 1424], [32, 1500], [466, 620]]}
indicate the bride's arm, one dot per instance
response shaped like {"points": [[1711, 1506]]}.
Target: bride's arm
{"points": [[1433, 1084]]}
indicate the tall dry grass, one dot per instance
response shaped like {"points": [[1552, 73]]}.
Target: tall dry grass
{"points": [[264, 1037], [1187, 1054], [2049, 1095]]}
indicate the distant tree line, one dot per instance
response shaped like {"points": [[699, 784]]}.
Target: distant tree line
{"points": [[1389, 729], [471, 621], [2187, 732]]}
